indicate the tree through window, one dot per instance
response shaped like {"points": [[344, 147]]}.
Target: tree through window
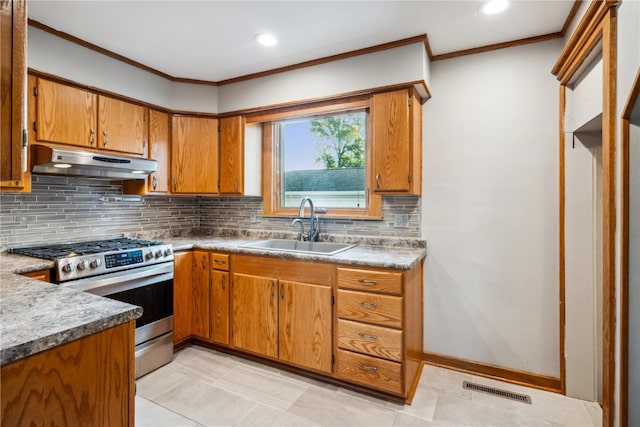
{"points": [[324, 157]]}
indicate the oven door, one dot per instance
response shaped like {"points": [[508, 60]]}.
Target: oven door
{"points": [[149, 287]]}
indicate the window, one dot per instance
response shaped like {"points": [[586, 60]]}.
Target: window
{"points": [[322, 153]]}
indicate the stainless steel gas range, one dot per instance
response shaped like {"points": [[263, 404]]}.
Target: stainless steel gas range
{"points": [[138, 272]]}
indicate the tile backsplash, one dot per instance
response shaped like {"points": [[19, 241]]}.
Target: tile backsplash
{"points": [[62, 209]]}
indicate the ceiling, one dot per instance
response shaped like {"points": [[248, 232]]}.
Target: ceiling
{"points": [[214, 40]]}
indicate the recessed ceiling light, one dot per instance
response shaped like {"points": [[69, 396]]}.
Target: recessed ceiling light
{"points": [[494, 6], [266, 39]]}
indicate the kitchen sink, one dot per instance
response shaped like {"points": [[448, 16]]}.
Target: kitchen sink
{"points": [[321, 248]]}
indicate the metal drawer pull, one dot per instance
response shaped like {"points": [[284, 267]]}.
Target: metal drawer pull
{"points": [[368, 282], [367, 368], [219, 261], [368, 304], [367, 337]]}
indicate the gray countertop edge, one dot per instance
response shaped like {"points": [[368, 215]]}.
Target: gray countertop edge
{"points": [[43, 343], [360, 255], [36, 316]]}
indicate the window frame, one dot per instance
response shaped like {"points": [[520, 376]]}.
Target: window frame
{"points": [[271, 161]]}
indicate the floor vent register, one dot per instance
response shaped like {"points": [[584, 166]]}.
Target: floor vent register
{"points": [[497, 392]]}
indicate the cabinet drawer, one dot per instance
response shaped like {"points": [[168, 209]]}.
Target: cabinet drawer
{"points": [[370, 280], [370, 371], [374, 340], [220, 262], [381, 310]]}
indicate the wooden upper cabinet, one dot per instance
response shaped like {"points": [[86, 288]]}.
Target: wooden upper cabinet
{"points": [[159, 150], [121, 126], [232, 155], [65, 114], [13, 40], [396, 142], [194, 155]]}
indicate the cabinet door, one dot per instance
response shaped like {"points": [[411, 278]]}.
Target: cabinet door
{"points": [[121, 126], [181, 296], [65, 114], [159, 151], [305, 337], [255, 314], [391, 141], [200, 319], [43, 275], [232, 155], [194, 155], [220, 306], [13, 31]]}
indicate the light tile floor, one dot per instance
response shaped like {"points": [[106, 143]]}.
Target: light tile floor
{"points": [[202, 387]]}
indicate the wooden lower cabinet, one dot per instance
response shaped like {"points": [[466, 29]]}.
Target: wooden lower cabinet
{"points": [[220, 285], [370, 371], [380, 328], [255, 314], [87, 382], [361, 326], [182, 296], [44, 275], [304, 333], [200, 294], [281, 314]]}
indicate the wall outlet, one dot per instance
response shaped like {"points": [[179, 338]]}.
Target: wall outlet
{"points": [[401, 221], [253, 218]]}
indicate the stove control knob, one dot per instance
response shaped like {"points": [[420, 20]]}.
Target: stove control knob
{"points": [[95, 263], [158, 253], [167, 252], [67, 268], [148, 255], [82, 265]]}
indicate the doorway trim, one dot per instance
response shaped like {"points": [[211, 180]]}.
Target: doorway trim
{"points": [[597, 26], [634, 96]]}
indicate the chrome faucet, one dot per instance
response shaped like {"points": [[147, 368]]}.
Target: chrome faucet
{"points": [[301, 224], [314, 225]]}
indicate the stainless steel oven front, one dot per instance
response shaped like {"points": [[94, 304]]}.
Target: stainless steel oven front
{"points": [[149, 287]]}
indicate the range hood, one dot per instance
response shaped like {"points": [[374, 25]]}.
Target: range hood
{"points": [[52, 160]]}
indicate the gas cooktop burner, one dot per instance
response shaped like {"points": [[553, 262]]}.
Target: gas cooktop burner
{"points": [[65, 250], [80, 260]]}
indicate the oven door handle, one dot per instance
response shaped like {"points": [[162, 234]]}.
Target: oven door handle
{"points": [[109, 284]]}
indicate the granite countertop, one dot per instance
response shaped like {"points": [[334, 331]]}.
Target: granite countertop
{"points": [[36, 316], [402, 258]]}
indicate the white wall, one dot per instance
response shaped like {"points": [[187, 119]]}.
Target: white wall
{"points": [[490, 208], [392, 66], [53, 55], [628, 55]]}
